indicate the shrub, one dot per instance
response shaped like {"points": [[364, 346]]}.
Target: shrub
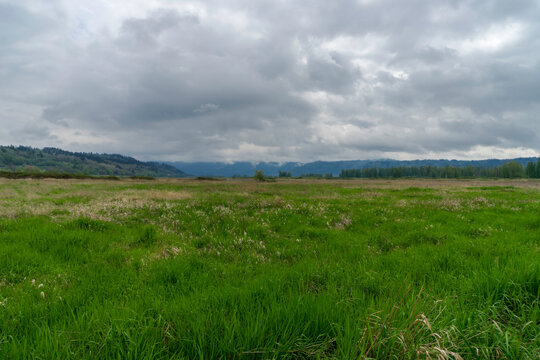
{"points": [[259, 175]]}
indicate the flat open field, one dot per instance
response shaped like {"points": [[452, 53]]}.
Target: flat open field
{"points": [[236, 269]]}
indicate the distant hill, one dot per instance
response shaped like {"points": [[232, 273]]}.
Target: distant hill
{"points": [[23, 158], [324, 167]]}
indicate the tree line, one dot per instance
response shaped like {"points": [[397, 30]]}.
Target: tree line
{"points": [[508, 170]]}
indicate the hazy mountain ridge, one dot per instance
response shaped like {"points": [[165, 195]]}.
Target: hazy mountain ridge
{"points": [[17, 158], [24, 158], [244, 168]]}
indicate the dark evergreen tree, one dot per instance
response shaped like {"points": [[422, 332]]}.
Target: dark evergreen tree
{"points": [[530, 170]]}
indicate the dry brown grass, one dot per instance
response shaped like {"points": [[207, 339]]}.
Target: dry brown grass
{"points": [[248, 186], [422, 183], [343, 222], [103, 200], [137, 195], [99, 200]]}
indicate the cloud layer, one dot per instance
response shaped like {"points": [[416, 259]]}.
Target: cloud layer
{"points": [[272, 80]]}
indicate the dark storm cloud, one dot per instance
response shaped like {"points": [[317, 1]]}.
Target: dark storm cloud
{"points": [[273, 80]]}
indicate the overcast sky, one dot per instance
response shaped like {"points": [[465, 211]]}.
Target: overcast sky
{"points": [[277, 80]]}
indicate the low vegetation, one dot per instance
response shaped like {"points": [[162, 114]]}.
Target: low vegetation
{"points": [[55, 175], [239, 269]]}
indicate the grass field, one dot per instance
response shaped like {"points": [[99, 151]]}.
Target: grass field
{"points": [[236, 269]]}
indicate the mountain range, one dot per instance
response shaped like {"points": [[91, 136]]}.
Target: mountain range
{"points": [[324, 167], [24, 158]]}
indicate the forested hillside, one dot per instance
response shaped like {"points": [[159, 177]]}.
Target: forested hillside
{"points": [[28, 159]]}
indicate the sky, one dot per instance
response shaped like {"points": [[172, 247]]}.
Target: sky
{"points": [[278, 80]]}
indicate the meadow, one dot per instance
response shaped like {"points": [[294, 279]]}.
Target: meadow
{"points": [[292, 269]]}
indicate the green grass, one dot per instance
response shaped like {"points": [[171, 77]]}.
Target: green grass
{"points": [[246, 270]]}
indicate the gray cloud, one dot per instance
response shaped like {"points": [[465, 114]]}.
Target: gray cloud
{"points": [[273, 81]]}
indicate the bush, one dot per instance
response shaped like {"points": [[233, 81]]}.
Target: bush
{"points": [[259, 175]]}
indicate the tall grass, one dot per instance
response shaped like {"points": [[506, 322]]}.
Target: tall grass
{"points": [[271, 270]]}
